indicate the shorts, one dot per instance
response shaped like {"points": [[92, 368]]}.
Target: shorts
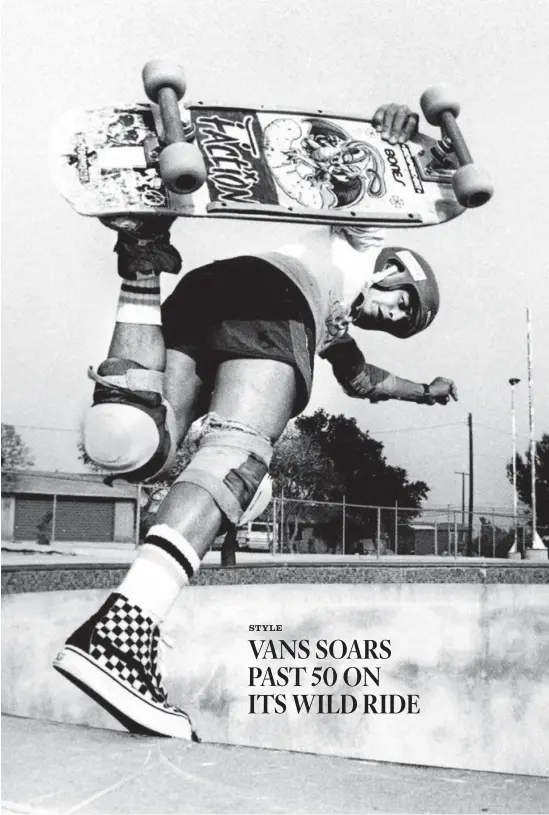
{"points": [[243, 307]]}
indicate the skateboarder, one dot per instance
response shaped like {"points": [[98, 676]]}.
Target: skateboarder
{"points": [[234, 343]]}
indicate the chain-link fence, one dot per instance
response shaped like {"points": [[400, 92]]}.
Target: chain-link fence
{"points": [[318, 527], [46, 507]]}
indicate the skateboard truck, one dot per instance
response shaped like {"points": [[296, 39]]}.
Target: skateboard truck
{"points": [[180, 162], [443, 155], [472, 185]]}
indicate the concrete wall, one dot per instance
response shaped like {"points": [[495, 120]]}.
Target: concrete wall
{"points": [[476, 655]]}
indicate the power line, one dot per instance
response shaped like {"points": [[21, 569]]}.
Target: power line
{"points": [[395, 430], [78, 430], [413, 429], [41, 427], [487, 455], [497, 430]]}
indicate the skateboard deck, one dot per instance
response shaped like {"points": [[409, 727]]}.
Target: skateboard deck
{"points": [[264, 164]]}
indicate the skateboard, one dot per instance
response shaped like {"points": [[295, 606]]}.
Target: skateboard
{"points": [[205, 160]]}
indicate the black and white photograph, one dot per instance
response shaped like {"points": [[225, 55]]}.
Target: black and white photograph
{"points": [[275, 415]]}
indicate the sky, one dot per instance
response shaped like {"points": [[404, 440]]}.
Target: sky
{"points": [[59, 283]]}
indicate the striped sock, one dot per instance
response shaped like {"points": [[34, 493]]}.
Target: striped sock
{"points": [[139, 301], [165, 564]]}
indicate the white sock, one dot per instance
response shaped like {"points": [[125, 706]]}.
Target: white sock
{"points": [[139, 301], [164, 565]]}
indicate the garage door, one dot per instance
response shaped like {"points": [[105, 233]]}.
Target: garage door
{"points": [[84, 519], [30, 511]]}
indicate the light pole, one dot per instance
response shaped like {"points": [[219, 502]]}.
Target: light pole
{"points": [[513, 382], [529, 344], [471, 489]]}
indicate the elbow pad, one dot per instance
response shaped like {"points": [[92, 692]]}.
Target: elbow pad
{"points": [[370, 383], [357, 378]]}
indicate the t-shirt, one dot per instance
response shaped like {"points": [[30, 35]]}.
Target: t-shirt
{"points": [[330, 273]]}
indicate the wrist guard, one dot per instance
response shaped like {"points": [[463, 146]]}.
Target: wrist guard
{"points": [[427, 398]]}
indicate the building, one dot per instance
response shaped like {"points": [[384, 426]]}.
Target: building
{"points": [[438, 538], [68, 507]]}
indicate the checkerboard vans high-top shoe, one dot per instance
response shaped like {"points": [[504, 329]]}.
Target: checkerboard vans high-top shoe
{"points": [[113, 657]]}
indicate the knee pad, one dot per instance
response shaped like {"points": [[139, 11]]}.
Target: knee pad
{"points": [[231, 463], [259, 502], [130, 429]]}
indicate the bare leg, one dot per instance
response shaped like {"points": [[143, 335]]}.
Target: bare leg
{"points": [[256, 392], [140, 343], [182, 387]]}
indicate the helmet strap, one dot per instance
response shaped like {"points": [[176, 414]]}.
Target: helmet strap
{"points": [[378, 277]]}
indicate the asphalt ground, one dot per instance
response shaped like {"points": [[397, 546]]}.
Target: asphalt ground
{"points": [[57, 768]]}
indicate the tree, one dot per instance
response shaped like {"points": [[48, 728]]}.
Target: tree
{"points": [[524, 479], [300, 468], [363, 471], [323, 458], [302, 473], [15, 455]]}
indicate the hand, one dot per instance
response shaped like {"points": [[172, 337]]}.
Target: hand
{"points": [[396, 123], [442, 389]]}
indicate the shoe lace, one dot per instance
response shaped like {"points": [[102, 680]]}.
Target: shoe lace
{"points": [[159, 667]]}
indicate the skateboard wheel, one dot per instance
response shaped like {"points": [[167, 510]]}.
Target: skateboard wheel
{"points": [[182, 167], [159, 73], [436, 100], [472, 186]]}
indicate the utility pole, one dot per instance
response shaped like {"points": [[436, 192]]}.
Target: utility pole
{"points": [[471, 485], [462, 473]]}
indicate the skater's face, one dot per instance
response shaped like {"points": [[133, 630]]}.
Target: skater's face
{"points": [[381, 307]]}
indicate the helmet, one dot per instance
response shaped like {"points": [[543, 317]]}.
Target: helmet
{"points": [[413, 272]]}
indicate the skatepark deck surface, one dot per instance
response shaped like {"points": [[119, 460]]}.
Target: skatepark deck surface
{"points": [[61, 755], [59, 768]]}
